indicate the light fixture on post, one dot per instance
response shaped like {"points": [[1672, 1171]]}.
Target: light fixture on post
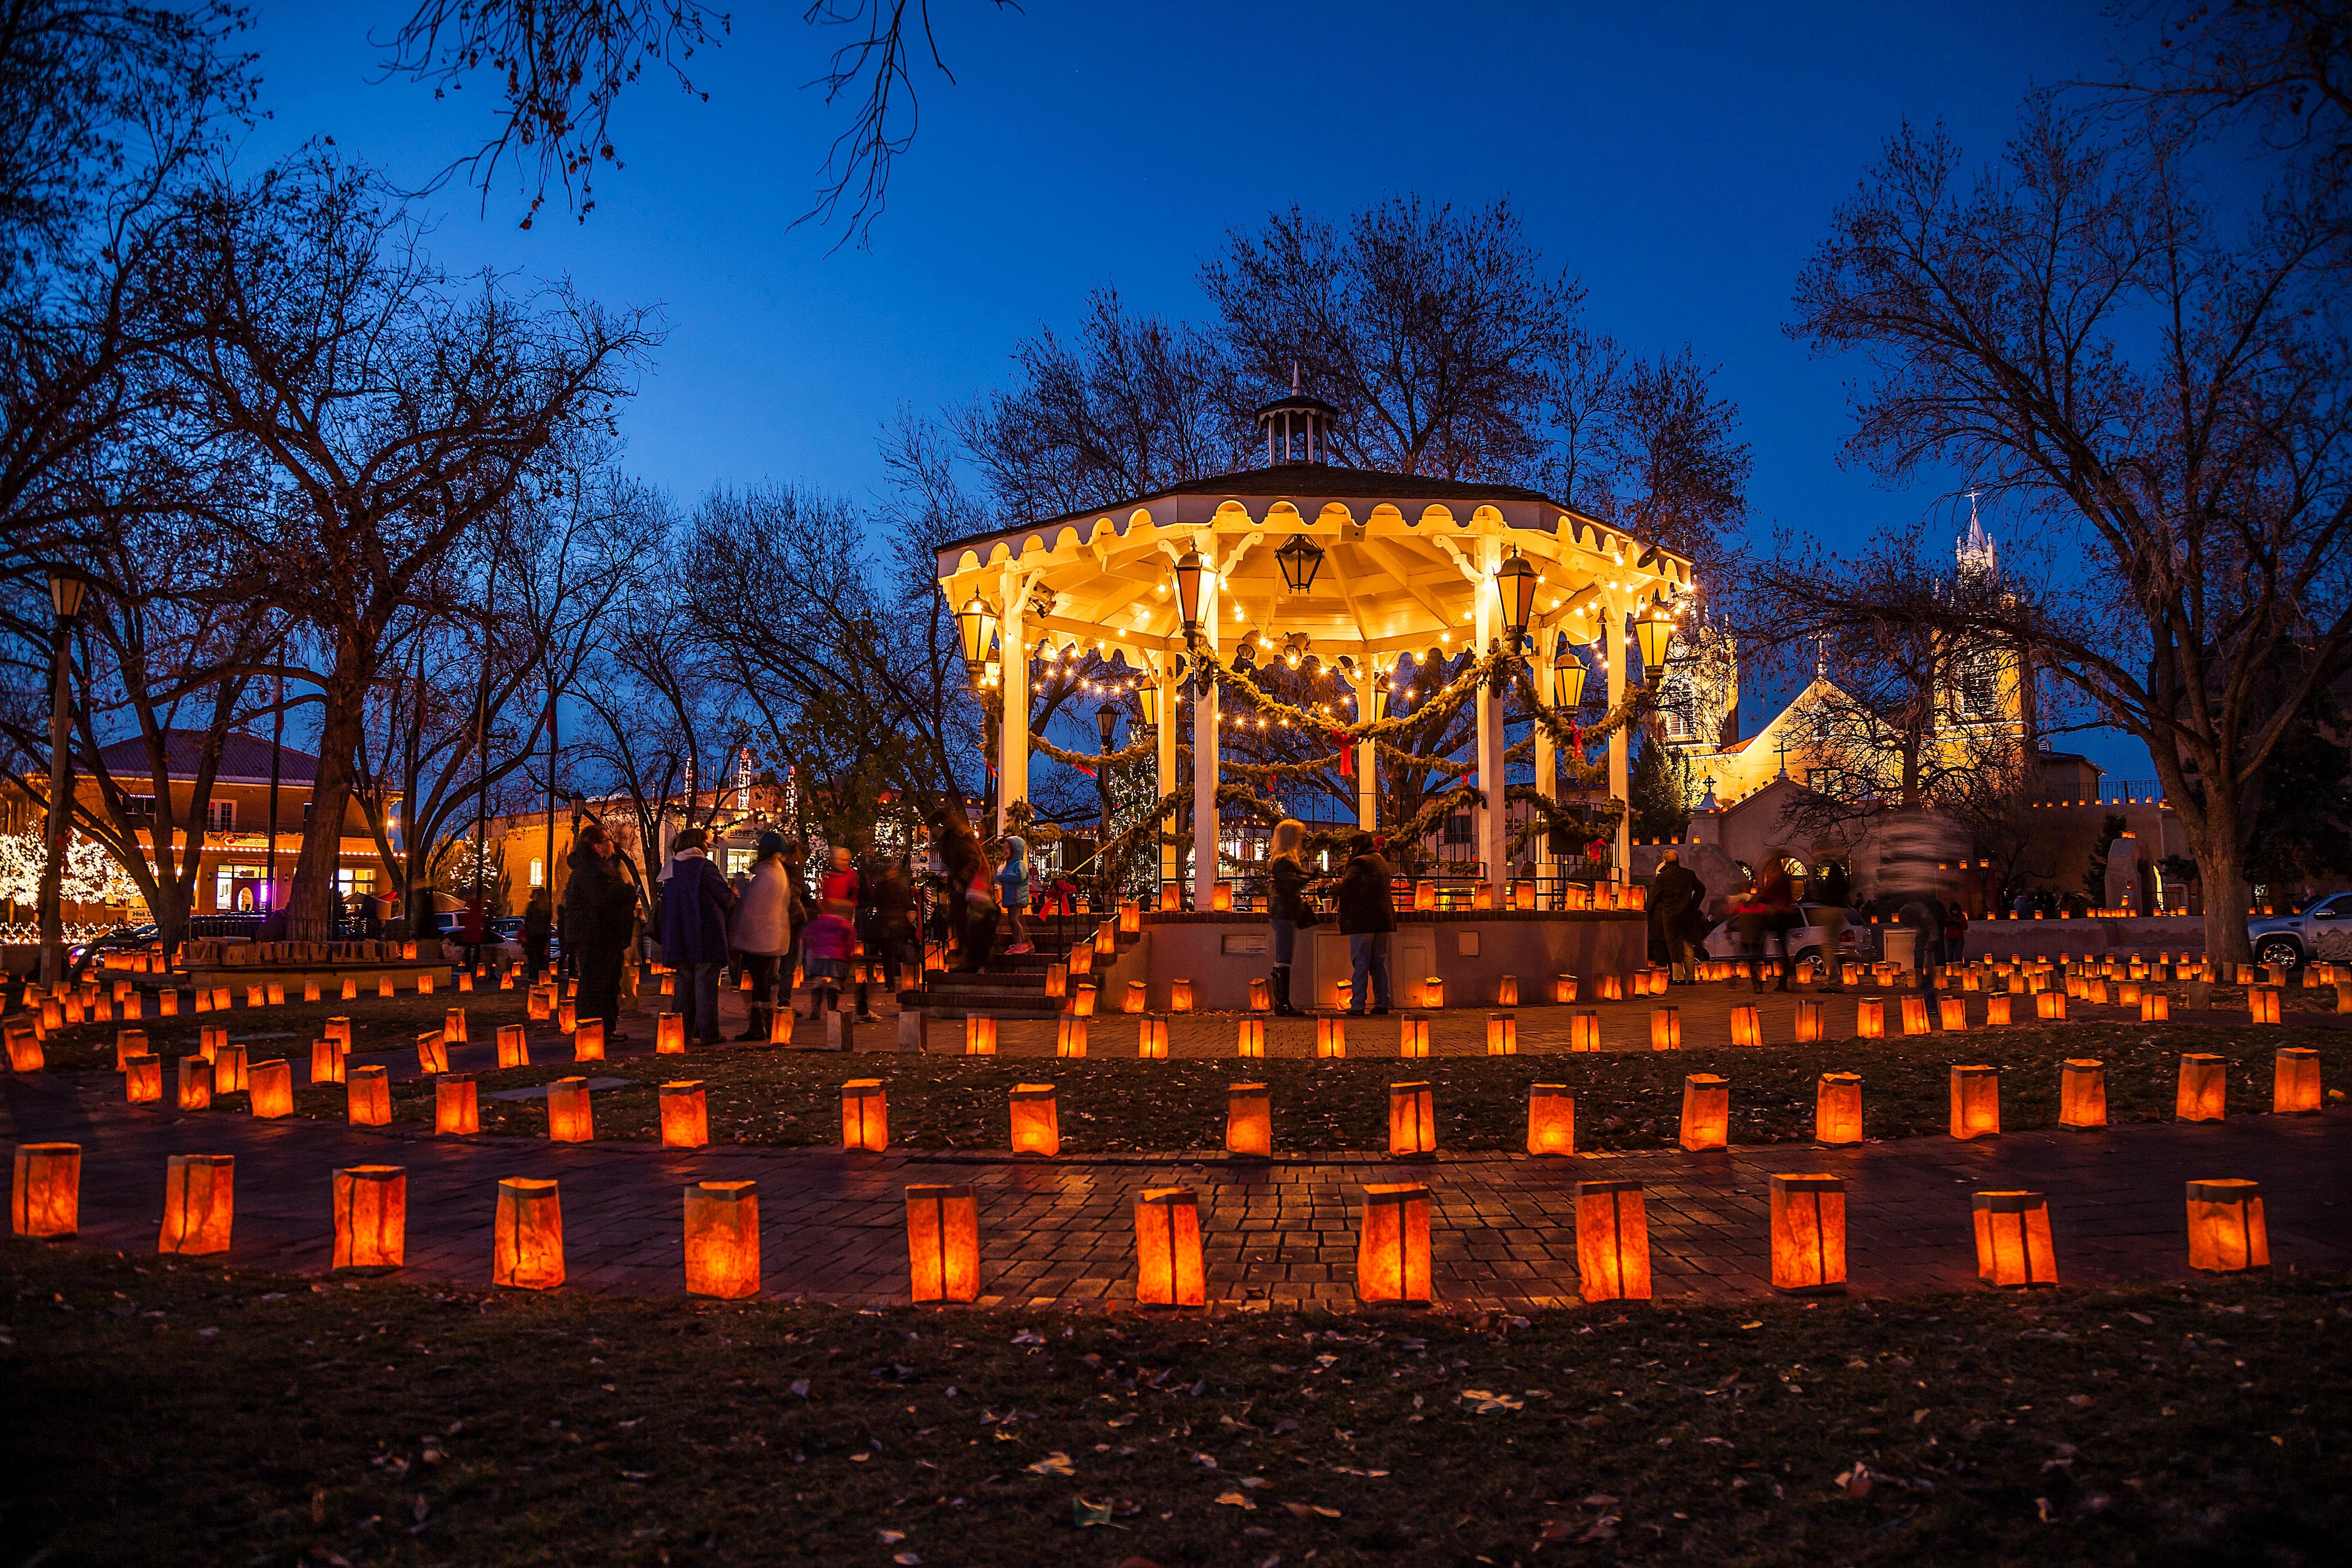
{"points": [[1190, 570], [1515, 584], [976, 623], [1106, 724], [1299, 560], [66, 591], [1655, 634]]}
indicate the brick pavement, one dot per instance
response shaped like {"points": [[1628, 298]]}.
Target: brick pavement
{"points": [[1280, 1232]]}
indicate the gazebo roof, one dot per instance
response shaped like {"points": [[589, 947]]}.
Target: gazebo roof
{"points": [[1405, 558]]}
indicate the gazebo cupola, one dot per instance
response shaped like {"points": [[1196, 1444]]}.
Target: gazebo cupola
{"points": [[1297, 427]]}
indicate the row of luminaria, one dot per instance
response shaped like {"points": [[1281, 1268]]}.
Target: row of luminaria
{"points": [[1394, 1262]]}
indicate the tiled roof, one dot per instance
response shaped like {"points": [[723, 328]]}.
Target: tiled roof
{"points": [[244, 759]]}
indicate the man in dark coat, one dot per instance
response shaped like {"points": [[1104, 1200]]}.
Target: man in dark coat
{"points": [[695, 901], [1366, 915], [1675, 893], [600, 914]]}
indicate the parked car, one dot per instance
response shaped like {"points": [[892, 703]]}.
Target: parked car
{"points": [[1860, 942], [82, 955], [2322, 930]]}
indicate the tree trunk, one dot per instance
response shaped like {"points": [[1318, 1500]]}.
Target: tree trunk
{"points": [[310, 905], [2220, 869]]}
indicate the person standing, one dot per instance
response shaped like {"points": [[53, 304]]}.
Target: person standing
{"points": [[600, 914], [1013, 892], [761, 933], [1367, 916], [695, 904], [1778, 894], [796, 888], [832, 934], [1674, 894], [537, 927], [1285, 906], [893, 902], [979, 908], [959, 859]]}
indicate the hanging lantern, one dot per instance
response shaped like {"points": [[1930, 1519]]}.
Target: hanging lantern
{"points": [[1151, 1039], [1584, 1031], [1551, 1118], [1975, 1102], [2082, 1092], [2295, 1081], [1057, 981], [685, 1119], [1655, 632], [1190, 570], [1747, 1026], [46, 1198], [1706, 1111], [1414, 1037], [2262, 1003], [1666, 1028], [527, 1235], [976, 628], [1612, 1242], [1915, 1014], [1168, 1266], [2155, 1006], [1997, 1012], [2226, 1232], [199, 1204], [569, 1117], [1261, 995], [722, 1239], [669, 1035], [1563, 989], [1837, 1108], [979, 1036], [1502, 1035], [1567, 680], [271, 1086], [2204, 1086], [514, 1049], [1808, 1232], [1249, 1121], [143, 1080], [1250, 1040], [1870, 1019], [588, 1041], [1412, 1120], [456, 1111], [2013, 1240], [1330, 1037], [367, 1096], [1037, 1128], [1393, 1245], [1069, 1035], [195, 1084], [943, 1243], [370, 1204], [2051, 1006], [432, 1053]]}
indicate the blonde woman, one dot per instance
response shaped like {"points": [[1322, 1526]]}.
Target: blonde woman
{"points": [[1286, 906]]}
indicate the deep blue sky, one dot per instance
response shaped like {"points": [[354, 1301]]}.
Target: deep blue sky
{"points": [[1681, 160]]}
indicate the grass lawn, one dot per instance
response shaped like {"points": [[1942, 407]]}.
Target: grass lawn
{"points": [[377, 1024], [164, 1412], [1625, 1099]]}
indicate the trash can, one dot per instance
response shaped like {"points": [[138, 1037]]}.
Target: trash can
{"points": [[1900, 944]]}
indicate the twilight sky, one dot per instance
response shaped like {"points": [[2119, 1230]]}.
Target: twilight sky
{"points": [[1680, 160]]}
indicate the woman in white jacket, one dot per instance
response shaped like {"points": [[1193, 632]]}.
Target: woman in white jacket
{"points": [[762, 932]]}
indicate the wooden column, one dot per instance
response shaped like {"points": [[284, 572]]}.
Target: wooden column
{"points": [[1204, 736], [1013, 735], [1614, 646], [1164, 774], [1368, 778], [1492, 817]]}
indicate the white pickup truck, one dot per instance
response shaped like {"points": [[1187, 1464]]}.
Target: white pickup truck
{"points": [[2322, 930]]}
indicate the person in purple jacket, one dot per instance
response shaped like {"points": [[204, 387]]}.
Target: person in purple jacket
{"points": [[695, 903]]}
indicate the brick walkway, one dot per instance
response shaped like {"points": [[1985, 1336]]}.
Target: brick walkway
{"points": [[1280, 1231]]}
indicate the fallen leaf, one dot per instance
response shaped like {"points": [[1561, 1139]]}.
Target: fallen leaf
{"points": [[1554, 1531], [1855, 1482], [1601, 1529], [1483, 1403], [800, 1388], [1084, 1512], [1238, 1499], [2079, 1400], [1054, 1464], [890, 1537]]}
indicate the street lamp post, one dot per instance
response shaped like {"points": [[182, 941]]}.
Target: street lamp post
{"points": [[1106, 726], [66, 591]]}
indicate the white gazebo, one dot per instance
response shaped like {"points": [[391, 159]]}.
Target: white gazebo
{"points": [[1366, 567]]}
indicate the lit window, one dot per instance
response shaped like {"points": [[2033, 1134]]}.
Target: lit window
{"points": [[220, 817], [538, 872]]}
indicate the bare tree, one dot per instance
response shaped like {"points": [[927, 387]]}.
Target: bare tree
{"points": [[1648, 445], [1439, 334], [562, 66], [2163, 407], [397, 413], [1132, 405], [2288, 63]]}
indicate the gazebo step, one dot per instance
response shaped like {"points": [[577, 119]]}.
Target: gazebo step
{"points": [[990, 1003]]}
